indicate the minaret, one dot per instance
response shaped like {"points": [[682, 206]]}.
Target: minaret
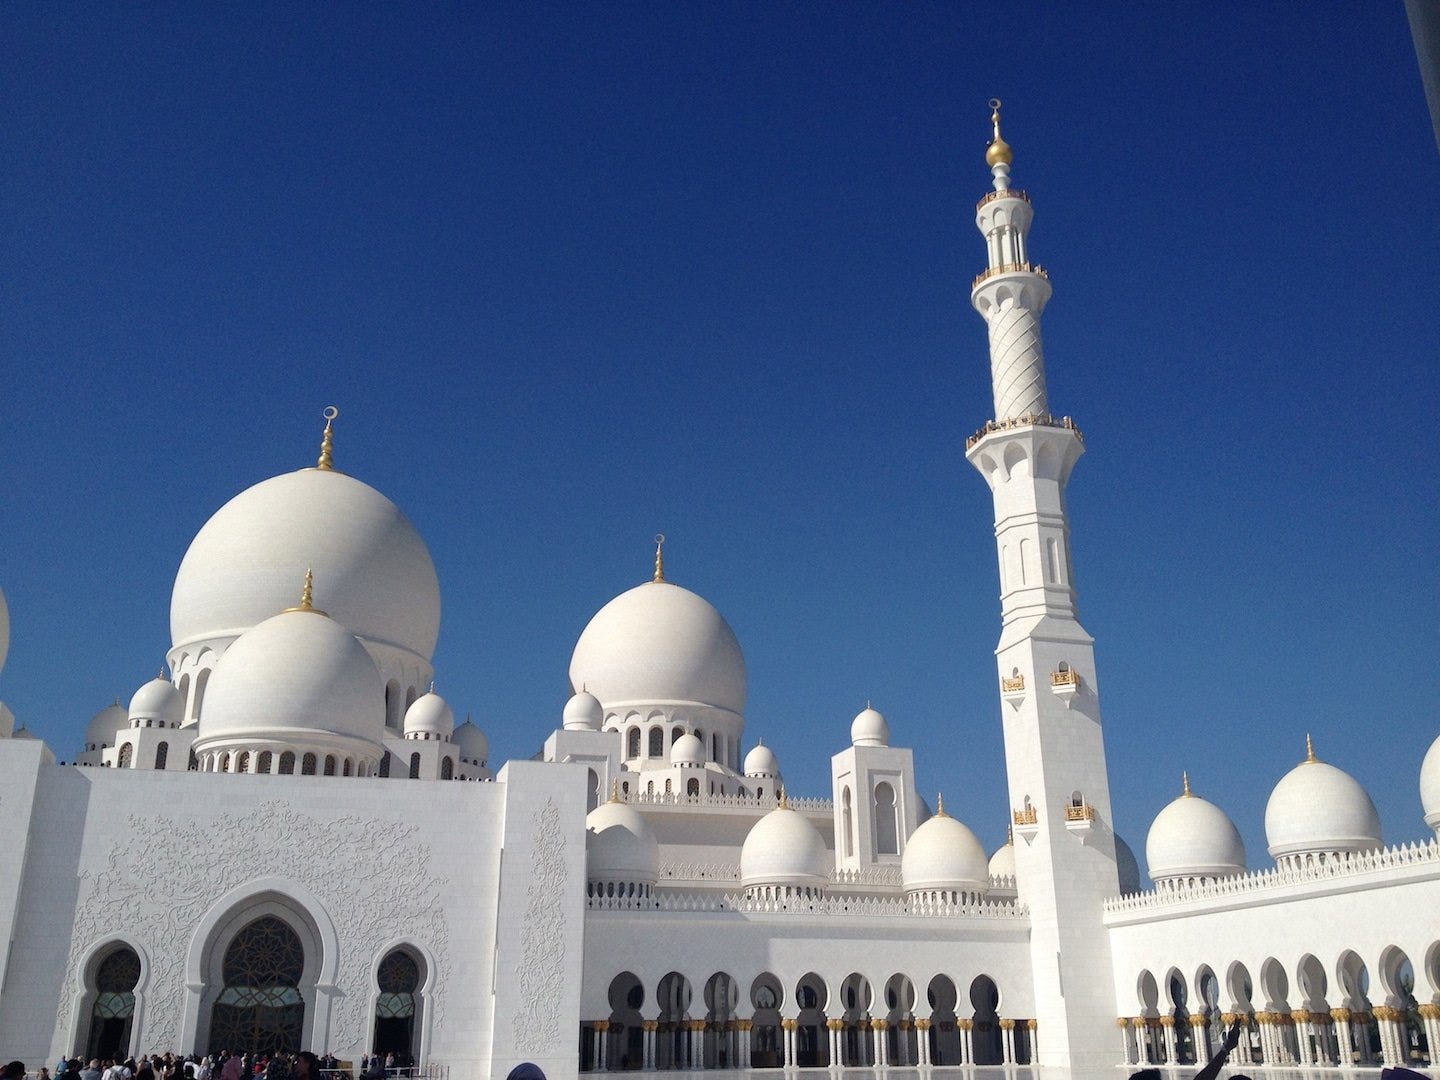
{"points": [[1054, 750]]}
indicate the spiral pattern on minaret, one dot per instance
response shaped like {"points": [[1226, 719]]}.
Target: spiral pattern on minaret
{"points": [[1017, 365]]}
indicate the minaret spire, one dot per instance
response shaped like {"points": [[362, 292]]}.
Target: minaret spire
{"points": [[326, 444], [659, 558]]}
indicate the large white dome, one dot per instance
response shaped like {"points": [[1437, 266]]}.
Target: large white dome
{"points": [[1318, 808], [660, 644], [619, 846], [375, 574], [1193, 837], [1430, 785], [943, 854], [1002, 863], [105, 725], [761, 762], [782, 848], [158, 702], [298, 677]]}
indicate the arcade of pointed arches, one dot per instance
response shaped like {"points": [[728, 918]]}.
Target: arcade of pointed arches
{"points": [[766, 1022], [1313, 1016]]}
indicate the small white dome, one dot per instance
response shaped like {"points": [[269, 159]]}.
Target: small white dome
{"points": [[943, 854], [782, 848], [376, 575], [297, 674], [159, 702], [869, 728], [471, 743], [23, 733], [1430, 785], [430, 714], [583, 712], [1318, 808], [619, 846], [1192, 837], [660, 644], [1002, 863], [687, 750], [105, 725], [761, 762]]}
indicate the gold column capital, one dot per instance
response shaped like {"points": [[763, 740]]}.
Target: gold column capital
{"points": [[1007, 1024], [922, 1025]]}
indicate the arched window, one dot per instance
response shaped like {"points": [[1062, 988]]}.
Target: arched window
{"points": [[395, 1008], [392, 703], [260, 1007], [347, 769], [329, 764], [848, 822], [114, 1008], [262, 761], [194, 762], [126, 754], [592, 790], [692, 787], [224, 762], [415, 766], [201, 681], [307, 768], [714, 747], [162, 754], [632, 743], [287, 763], [675, 733], [887, 841], [244, 763], [657, 742], [667, 787], [447, 769], [385, 764]]}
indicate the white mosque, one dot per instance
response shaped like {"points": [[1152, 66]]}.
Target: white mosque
{"points": [[647, 895]]}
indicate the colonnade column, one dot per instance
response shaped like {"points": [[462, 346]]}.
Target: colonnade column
{"points": [[1200, 1037], [1326, 1048], [1267, 1039], [787, 1027], [602, 1030], [967, 1046], [1137, 1036], [1344, 1036], [1430, 1019], [922, 1040], [1007, 1040], [1302, 1035], [697, 1044], [902, 1042], [647, 1053], [833, 1028], [880, 1054], [1033, 1027], [1172, 1048], [1392, 1042], [742, 1040]]}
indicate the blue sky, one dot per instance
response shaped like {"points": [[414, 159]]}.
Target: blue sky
{"points": [[577, 274]]}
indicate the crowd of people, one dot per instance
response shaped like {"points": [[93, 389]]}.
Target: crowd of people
{"points": [[219, 1066]]}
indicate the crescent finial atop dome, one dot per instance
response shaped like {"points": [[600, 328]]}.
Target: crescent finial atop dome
{"points": [[998, 152], [659, 558], [326, 442]]}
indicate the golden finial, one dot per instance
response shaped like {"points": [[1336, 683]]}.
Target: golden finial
{"points": [[307, 595], [432, 686], [659, 557], [1185, 792], [614, 790], [1310, 757], [1009, 836], [939, 804], [326, 461], [161, 673], [784, 803], [999, 152]]}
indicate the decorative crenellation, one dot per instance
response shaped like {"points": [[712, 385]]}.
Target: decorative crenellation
{"points": [[1007, 193], [1028, 420], [1070, 677], [1009, 268], [1418, 854], [1026, 815], [1010, 686], [767, 801], [865, 906]]}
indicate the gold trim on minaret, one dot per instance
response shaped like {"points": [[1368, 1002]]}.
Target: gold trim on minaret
{"points": [[327, 461], [783, 804], [998, 152], [659, 558]]}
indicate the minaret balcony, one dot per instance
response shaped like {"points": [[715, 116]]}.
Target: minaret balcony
{"points": [[1028, 420], [1008, 268], [1027, 823], [1080, 819], [1007, 193], [1013, 690], [1065, 684]]}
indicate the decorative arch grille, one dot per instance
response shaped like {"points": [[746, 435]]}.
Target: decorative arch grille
{"points": [[114, 1008], [260, 1008]]}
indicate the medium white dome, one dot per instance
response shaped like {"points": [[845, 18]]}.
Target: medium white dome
{"points": [[1318, 808], [619, 846], [782, 848], [429, 714], [159, 702], [943, 854], [1002, 863], [374, 572], [660, 644], [1192, 837], [297, 676], [869, 728], [105, 725], [761, 762], [583, 712], [1430, 785], [687, 750], [471, 743]]}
